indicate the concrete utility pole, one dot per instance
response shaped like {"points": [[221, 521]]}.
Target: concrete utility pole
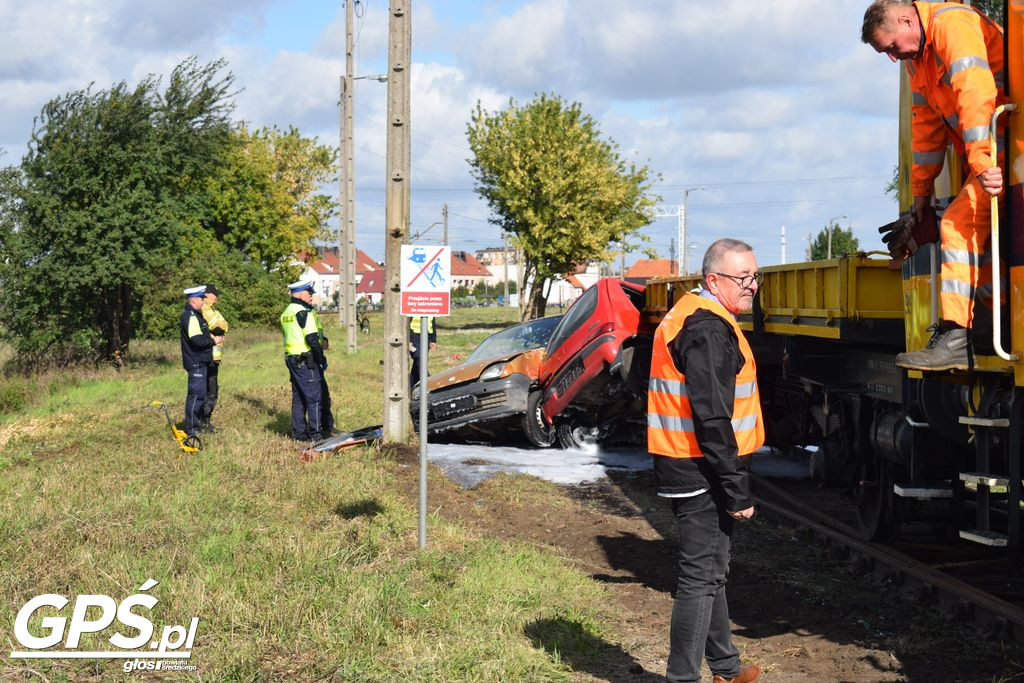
{"points": [[444, 213], [396, 216], [672, 250], [347, 202], [782, 259], [504, 261], [831, 227]]}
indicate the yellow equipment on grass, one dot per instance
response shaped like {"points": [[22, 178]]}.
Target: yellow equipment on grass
{"points": [[187, 444]]}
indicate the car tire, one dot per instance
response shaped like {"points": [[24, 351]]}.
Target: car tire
{"points": [[577, 436], [537, 431]]}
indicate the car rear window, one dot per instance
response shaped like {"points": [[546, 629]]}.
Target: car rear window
{"points": [[577, 314], [636, 298]]}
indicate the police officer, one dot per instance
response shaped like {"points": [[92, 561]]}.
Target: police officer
{"points": [[218, 326], [196, 356], [304, 345], [415, 354]]}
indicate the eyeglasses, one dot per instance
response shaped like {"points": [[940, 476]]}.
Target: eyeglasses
{"points": [[744, 281]]}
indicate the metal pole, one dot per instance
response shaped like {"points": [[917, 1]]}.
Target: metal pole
{"points": [[783, 255], [349, 285], [396, 377], [424, 359], [682, 234], [444, 212]]}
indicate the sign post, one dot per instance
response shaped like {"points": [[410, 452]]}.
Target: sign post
{"points": [[426, 292]]}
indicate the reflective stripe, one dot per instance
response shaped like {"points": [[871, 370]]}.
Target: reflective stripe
{"points": [[947, 9], [950, 286], [953, 121], [961, 256], [964, 63], [670, 423], [667, 386], [929, 158], [918, 99], [1000, 79], [975, 134], [746, 390], [677, 388], [673, 423], [744, 423]]}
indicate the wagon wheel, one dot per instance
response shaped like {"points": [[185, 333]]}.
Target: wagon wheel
{"points": [[876, 503]]}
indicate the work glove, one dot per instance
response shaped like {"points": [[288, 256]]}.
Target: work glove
{"points": [[323, 366], [906, 234]]}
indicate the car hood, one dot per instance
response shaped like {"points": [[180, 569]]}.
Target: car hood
{"points": [[526, 362]]}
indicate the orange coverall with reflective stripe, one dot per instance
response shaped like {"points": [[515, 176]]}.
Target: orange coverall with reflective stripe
{"points": [[957, 81]]}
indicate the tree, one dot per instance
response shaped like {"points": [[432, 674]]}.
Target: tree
{"points": [[108, 182], [843, 242], [263, 201], [560, 192], [992, 8]]}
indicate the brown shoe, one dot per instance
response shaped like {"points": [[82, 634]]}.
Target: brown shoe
{"points": [[747, 674], [947, 350]]}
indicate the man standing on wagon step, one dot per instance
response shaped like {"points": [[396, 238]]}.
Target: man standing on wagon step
{"points": [[954, 57], [703, 415]]}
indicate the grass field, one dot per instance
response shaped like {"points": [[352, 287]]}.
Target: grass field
{"points": [[297, 572]]}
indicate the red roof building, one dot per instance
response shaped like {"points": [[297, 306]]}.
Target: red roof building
{"points": [[645, 269], [467, 271]]}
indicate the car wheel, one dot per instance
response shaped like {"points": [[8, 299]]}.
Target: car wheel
{"points": [[577, 436], [536, 430]]}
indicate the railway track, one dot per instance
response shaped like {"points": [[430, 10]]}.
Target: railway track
{"points": [[978, 589]]}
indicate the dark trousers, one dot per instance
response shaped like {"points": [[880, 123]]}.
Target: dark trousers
{"points": [[211, 391], [195, 400], [414, 365], [311, 400], [700, 614]]}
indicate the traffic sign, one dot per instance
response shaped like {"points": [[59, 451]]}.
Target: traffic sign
{"points": [[426, 280]]}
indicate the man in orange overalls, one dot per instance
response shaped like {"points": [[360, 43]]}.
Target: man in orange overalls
{"points": [[954, 57]]}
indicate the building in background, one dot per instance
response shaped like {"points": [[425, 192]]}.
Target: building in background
{"points": [[645, 269], [323, 270]]}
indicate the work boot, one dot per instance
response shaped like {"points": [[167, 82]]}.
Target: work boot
{"points": [[206, 428], [946, 350], [747, 674]]}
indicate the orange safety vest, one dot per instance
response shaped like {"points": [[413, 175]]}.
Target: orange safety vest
{"points": [[670, 429], [956, 81]]}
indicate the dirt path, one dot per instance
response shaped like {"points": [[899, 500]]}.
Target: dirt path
{"points": [[798, 613]]}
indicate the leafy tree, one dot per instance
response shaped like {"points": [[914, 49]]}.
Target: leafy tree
{"points": [[843, 242], [263, 201], [108, 182], [992, 8], [561, 192]]}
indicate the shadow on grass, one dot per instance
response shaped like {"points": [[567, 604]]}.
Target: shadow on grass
{"points": [[280, 423], [367, 507], [574, 645]]}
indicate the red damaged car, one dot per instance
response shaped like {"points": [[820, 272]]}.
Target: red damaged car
{"points": [[596, 367]]}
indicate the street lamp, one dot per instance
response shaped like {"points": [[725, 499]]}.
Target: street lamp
{"points": [[682, 228], [831, 225]]}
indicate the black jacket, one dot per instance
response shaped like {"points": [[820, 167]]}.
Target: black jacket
{"points": [[707, 352], [196, 347]]}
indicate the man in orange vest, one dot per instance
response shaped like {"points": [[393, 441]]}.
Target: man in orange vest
{"points": [[954, 57], [703, 416]]}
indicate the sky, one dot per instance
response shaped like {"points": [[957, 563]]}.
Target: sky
{"points": [[772, 114]]}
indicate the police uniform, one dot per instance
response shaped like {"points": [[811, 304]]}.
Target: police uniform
{"points": [[196, 357], [304, 344], [415, 352], [218, 326]]}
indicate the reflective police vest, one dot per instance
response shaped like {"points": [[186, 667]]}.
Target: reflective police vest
{"points": [[295, 336], [214, 321], [414, 324], [670, 429]]}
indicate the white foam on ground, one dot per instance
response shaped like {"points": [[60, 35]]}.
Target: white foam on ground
{"points": [[468, 465]]}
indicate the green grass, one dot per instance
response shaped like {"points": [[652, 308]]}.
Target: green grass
{"points": [[297, 572]]}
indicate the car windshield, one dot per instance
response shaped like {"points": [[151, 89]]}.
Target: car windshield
{"points": [[529, 335]]}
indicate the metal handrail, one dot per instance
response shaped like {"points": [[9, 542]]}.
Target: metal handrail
{"points": [[997, 285]]}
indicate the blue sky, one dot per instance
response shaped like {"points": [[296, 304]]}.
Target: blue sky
{"points": [[775, 109]]}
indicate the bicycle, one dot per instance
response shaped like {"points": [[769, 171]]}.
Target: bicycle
{"points": [[363, 321]]}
